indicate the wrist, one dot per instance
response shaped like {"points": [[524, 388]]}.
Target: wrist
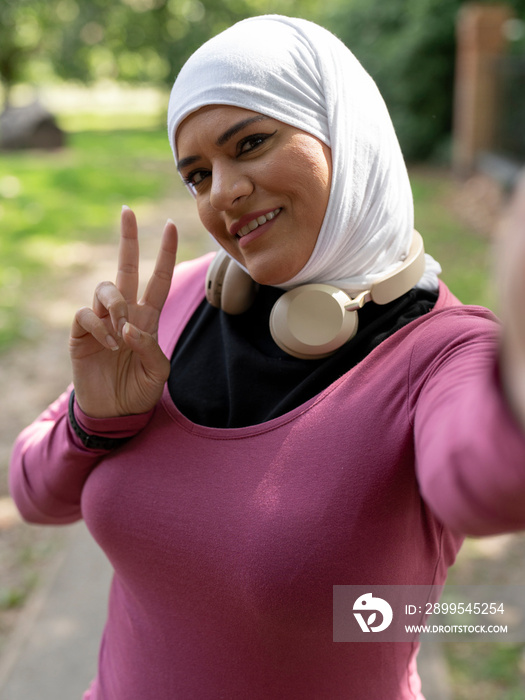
{"points": [[104, 433]]}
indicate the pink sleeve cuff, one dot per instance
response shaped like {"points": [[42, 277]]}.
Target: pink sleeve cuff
{"points": [[120, 427]]}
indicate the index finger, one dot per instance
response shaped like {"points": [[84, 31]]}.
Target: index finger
{"points": [[128, 256], [159, 285]]}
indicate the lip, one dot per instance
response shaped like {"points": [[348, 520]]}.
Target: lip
{"points": [[244, 220]]}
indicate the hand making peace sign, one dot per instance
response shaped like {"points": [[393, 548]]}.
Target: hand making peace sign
{"points": [[118, 366]]}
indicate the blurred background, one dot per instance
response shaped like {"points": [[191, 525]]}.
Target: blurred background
{"points": [[84, 86]]}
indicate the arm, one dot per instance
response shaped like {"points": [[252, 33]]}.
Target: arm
{"points": [[119, 373], [470, 418], [50, 464], [470, 450]]}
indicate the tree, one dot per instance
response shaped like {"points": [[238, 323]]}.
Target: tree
{"points": [[409, 48], [25, 26], [131, 40]]}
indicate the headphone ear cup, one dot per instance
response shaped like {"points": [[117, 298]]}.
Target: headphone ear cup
{"points": [[238, 290], [311, 322], [229, 287], [215, 278]]}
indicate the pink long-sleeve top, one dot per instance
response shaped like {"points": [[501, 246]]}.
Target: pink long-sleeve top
{"points": [[226, 543]]}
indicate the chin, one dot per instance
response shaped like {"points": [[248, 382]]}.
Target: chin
{"points": [[269, 273], [269, 278]]}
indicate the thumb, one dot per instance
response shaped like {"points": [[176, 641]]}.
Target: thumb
{"points": [[154, 361]]}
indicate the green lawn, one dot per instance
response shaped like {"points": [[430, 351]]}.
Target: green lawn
{"points": [[48, 200], [464, 255]]}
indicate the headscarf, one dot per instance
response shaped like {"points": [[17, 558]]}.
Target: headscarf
{"points": [[301, 74]]}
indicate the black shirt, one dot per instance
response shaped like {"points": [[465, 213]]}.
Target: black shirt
{"points": [[227, 372]]}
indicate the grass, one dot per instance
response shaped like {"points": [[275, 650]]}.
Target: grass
{"points": [[464, 256], [486, 671], [50, 200]]}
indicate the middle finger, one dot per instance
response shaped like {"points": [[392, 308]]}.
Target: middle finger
{"points": [[159, 285]]}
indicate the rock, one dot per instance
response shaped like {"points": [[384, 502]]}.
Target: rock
{"points": [[31, 126]]}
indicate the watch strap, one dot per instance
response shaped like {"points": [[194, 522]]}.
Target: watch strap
{"points": [[92, 442]]}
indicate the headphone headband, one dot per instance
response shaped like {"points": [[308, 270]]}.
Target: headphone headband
{"points": [[401, 281]]}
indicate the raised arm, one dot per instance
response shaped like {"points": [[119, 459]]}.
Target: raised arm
{"points": [[119, 372]]}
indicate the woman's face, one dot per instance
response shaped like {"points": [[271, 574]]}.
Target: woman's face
{"points": [[261, 187]]}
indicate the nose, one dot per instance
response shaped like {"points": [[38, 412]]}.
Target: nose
{"points": [[229, 184]]}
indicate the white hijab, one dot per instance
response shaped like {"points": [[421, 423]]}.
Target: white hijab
{"points": [[299, 73]]}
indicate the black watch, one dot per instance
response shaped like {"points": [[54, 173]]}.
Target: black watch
{"points": [[92, 442]]}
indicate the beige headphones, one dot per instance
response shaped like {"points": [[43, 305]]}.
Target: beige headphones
{"points": [[314, 320]]}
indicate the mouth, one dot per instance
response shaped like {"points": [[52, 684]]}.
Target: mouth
{"points": [[254, 223]]}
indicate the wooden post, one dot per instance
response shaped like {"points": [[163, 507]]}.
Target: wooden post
{"points": [[480, 40]]}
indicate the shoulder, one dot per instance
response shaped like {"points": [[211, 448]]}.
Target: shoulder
{"points": [[453, 339], [451, 334], [451, 319], [449, 327]]}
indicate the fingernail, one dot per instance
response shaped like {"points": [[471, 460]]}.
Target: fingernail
{"points": [[131, 331], [120, 326], [112, 343], [125, 207]]}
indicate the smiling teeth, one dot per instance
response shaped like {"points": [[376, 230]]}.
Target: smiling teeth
{"points": [[259, 221]]}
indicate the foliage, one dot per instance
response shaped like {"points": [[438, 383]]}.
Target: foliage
{"points": [[411, 57], [409, 47], [23, 26], [131, 40]]}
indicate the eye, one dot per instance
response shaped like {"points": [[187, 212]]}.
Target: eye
{"points": [[250, 143], [196, 178]]}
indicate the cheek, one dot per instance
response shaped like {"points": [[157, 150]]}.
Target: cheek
{"points": [[321, 174], [314, 193], [209, 218], [313, 175]]}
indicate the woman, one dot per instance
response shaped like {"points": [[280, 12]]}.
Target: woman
{"points": [[232, 483]]}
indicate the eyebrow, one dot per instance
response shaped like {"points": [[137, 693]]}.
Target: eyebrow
{"points": [[224, 138], [229, 133]]}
